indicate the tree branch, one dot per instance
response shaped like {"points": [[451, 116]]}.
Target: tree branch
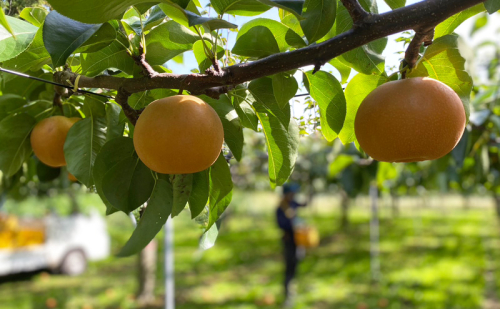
{"points": [[358, 14], [422, 15], [412, 52], [140, 60], [122, 99]]}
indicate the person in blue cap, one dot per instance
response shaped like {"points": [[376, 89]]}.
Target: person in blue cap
{"points": [[286, 215]]}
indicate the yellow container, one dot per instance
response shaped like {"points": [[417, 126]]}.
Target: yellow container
{"points": [[6, 239], [307, 236], [30, 237]]}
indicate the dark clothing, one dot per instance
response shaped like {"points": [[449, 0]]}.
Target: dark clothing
{"points": [[291, 261], [285, 223]]}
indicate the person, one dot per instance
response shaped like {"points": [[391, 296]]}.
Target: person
{"points": [[286, 215]]}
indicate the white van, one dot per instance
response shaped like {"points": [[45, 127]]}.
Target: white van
{"points": [[61, 244]]}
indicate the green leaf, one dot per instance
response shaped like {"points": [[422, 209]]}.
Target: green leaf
{"points": [[291, 22], [28, 88], [369, 5], [62, 36], [104, 36], [33, 58], [344, 70], [5, 23], [263, 92], [9, 103], [83, 143], [244, 110], [94, 11], [395, 4], [319, 17], [386, 171], [15, 140], [94, 106], [46, 173], [328, 93], [366, 59], [35, 16], [442, 61], [210, 23], [233, 130], [177, 12], [492, 6], [202, 59], [156, 16], [479, 23], [182, 187], [284, 88], [293, 6], [113, 56], [154, 217], [140, 100], [112, 152], [221, 190], [340, 163], [282, 147], [208, 238], [144, 7], [257, 42], [39, 110], [356, 91], [128, 184], [239, 7], [167, 41], [459, 153], [11, 46], [450, 24], [199, 193], [262, 37], [115, 128]]}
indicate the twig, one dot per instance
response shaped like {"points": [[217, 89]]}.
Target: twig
{"points": [[358, 14], [122, 99], [57, 101], [140, 60], [413, 50]]}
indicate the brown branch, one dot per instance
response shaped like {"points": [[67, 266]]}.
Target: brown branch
{"points": [[58, 102], [422, 15], [412, 52], [140, 60], [122, 99], [358, 14]]}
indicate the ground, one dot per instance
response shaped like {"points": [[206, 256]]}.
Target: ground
{"points": [[437, 256]]}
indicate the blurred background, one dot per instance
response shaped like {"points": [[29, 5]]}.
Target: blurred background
{"points": [[427, 237]]}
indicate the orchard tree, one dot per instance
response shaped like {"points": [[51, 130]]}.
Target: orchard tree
{"points": [[125, 125]]}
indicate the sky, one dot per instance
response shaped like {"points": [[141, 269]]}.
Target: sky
{"points": [[391, 53]]}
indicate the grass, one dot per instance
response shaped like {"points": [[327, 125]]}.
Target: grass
{"points": [[441, 256]]}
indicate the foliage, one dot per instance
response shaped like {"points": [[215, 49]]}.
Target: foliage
{"points": [[108, 38]]}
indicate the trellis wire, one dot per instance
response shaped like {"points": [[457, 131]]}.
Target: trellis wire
{"points": [[53, 83]]}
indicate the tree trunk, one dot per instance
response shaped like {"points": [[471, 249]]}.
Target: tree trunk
{"points": [[497, 204], [344, 216], [394, 204], [147, 274], [466, 202]]}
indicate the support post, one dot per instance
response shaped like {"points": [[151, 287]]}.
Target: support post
{"points": [[374, 234], [169, 265]]}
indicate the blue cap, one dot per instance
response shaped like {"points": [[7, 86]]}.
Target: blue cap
{"points": [[291, 187]]}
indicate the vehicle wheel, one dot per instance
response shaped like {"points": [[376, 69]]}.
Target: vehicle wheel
{"points": [[74, 263]]}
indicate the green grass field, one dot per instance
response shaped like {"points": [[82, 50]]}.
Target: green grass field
{"points": [[442, 256]]}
